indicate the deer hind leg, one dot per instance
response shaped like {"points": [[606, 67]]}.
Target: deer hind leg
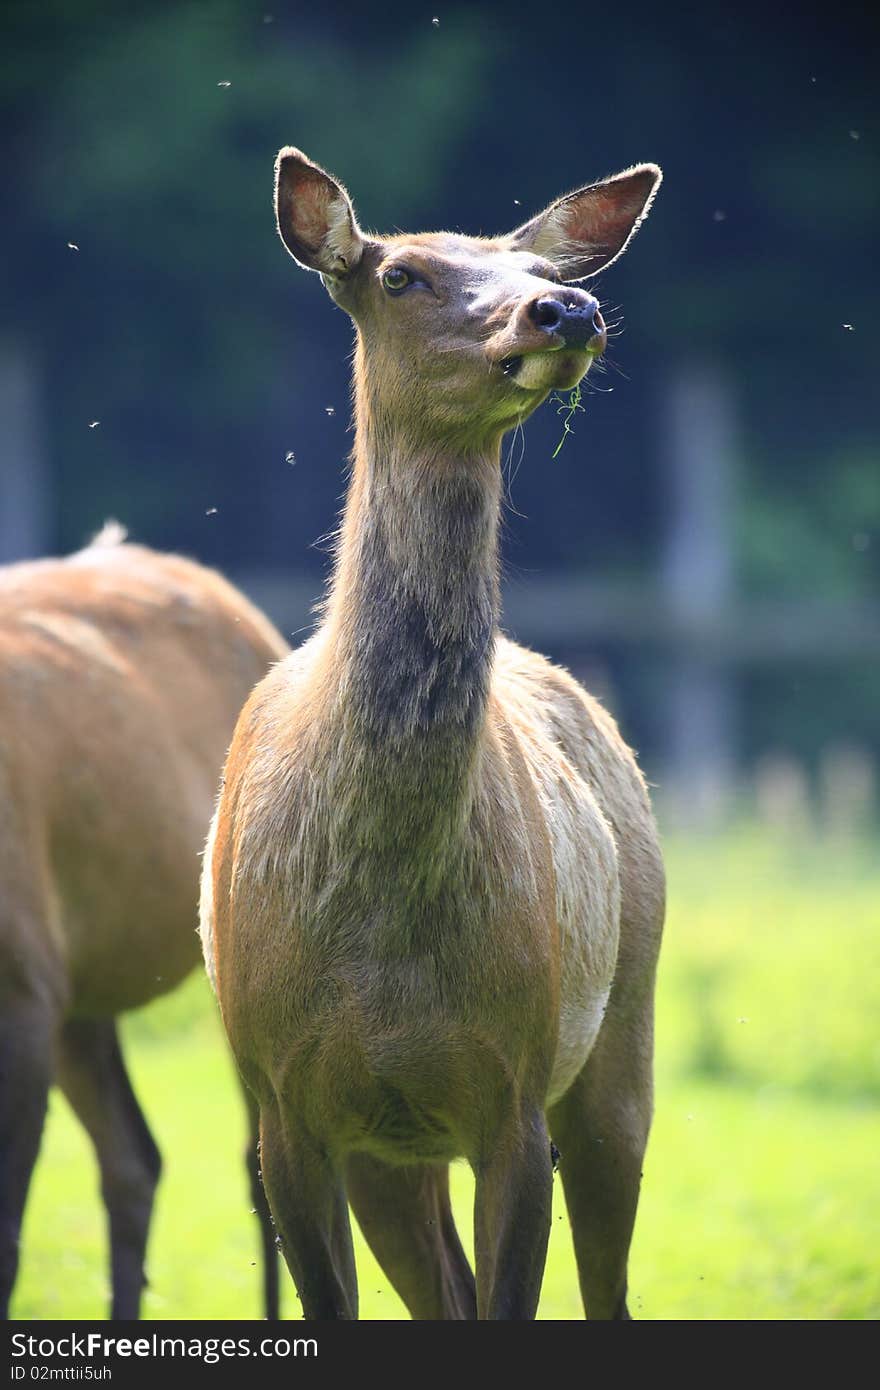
{"points": [[261, 1207], [601, 1129], [514, 1189], [406, 1217], [92, 1074], [308, 1203], [27, 1029]]}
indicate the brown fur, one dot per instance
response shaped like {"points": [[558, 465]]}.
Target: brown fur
{"points": [[121, 675], [434, 856]]}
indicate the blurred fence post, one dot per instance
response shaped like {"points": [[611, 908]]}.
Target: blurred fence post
{"points": [[699, 456], [24, 477]]}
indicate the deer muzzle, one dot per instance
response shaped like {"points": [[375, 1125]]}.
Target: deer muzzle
{"points": [[571, 319]]}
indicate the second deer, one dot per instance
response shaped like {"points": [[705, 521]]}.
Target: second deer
{"points": [[433, 895], [122, 672]]}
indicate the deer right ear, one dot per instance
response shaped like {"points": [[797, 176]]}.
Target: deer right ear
{"points": [[585, 231], [315, 217]]}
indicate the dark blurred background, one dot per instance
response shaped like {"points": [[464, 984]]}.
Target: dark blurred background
{"points": [[704, 549]]}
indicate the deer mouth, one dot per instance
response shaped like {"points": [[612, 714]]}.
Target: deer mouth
{"points": [[554, 369]]}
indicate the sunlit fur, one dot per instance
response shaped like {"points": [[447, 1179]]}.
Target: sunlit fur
{"points": [[433, 894]]}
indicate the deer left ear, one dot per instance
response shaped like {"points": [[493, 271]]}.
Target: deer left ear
{"points": [[315, 216], [586, 230]]}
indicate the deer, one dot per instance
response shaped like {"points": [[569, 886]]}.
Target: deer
{"points": [[122, 672], [433, 892]]}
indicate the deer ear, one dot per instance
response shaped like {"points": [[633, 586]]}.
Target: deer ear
{"points": [[315, 217], [588, 229]]}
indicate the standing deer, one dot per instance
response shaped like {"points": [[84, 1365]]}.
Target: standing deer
{"points": [[432, 897], [121, 676]]}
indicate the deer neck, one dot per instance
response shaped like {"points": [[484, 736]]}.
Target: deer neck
{"points": [[411, 620]]}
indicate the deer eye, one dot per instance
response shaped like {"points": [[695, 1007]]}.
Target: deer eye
{"points": [[396, 280]]}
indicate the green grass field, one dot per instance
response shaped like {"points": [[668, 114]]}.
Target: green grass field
{"points": [[762, 1180]]}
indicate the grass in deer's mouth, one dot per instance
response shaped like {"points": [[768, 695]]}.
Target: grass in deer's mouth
{"points": [[568, 408]]}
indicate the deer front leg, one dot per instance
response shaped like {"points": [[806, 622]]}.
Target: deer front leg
{"points": [[406, 1217], [601, 1127], [514, 1191], [308, 1203], [92, 1074], [261, 1208]]}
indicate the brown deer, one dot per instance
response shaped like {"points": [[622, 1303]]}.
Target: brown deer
{"points": [[121, 675], [432, 897]]}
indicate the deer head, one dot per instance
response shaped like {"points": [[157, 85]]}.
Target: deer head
{"points": [[460, 337]]}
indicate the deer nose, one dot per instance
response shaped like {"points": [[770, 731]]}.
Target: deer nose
{"points": [[577, 321]]}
